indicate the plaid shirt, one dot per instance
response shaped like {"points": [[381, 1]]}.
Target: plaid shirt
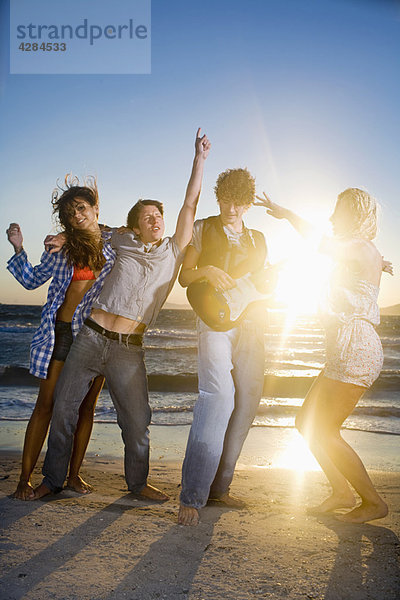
{"points": [[55, 266]]}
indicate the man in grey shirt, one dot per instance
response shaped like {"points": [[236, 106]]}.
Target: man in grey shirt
{"points": [[110, 342]]}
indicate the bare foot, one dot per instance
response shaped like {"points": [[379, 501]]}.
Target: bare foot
{"points": [[40, 491], [229, 500], [77, 484], [365, 512], [332, 503], [188, 515], [24, 490], [152, 493]]}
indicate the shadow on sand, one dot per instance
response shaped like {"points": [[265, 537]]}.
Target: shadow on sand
{"points": [[20, 508], [146, 581], [369, 556], [179, 566], [30, 573]]}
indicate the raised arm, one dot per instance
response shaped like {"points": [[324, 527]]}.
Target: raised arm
{"points": [[303, 227], [325, 244], [184, 225]]}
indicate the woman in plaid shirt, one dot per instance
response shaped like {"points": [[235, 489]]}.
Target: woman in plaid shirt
{"points": [[77, 274]]}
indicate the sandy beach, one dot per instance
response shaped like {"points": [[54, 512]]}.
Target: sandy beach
{"points": [[109, 545]]}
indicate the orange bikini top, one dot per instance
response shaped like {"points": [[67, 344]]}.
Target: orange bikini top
{"points": [[84, 274]]}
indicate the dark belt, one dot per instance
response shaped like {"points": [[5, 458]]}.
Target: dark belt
{"points": [[125, 338]]}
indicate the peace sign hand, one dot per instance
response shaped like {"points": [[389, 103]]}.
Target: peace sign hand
{"points": [[275, 210]]}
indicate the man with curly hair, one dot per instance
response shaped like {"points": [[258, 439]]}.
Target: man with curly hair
{"points": [[231, 363]]}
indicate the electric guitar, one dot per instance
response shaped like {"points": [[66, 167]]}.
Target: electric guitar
{"points": [[224, 309]]}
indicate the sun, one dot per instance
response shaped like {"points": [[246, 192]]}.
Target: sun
{"points": [[302, 278]]}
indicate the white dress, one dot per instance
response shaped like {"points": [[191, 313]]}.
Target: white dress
{"points": [[353, 348]]}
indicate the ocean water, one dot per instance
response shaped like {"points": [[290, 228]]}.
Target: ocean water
{"points": [[294, 356]]}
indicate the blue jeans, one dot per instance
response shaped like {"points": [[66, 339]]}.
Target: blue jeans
{"points": [[123, 367], [231, 379]]}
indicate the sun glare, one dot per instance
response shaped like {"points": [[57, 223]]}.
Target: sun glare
{"points": [[301, 280], [296, 455], [279, 448]]}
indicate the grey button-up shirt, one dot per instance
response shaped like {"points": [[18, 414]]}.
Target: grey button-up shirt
{"points": [[141, 278]]}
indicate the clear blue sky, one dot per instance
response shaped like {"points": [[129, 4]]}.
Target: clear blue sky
{"points": [[305, 93]]}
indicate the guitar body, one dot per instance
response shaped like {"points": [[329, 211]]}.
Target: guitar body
{"points": [[223, 310]]}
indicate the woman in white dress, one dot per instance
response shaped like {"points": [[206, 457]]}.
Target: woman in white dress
{"points": [[354, 354]]}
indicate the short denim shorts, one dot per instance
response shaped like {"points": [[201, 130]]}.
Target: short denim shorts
{"points": [[63, 340]]}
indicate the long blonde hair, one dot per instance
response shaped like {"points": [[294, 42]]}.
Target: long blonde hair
{"points": [[362, 208]]}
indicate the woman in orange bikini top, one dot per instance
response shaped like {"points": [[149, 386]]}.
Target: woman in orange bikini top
{"points": [[76, 208]]}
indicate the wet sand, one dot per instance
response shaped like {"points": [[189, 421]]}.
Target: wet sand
{"points": [[265, 447]]}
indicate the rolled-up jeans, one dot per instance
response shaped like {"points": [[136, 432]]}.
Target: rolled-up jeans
{"points": [[122, 365], [231, 379]]}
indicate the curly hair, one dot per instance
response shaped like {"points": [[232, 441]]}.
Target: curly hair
{"points": [[237, 186], [82, 248], [362, 209], [133, 215]]}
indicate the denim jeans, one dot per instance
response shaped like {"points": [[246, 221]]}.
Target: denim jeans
{"points": [[231, 379], [123, 367], [63, 340]]}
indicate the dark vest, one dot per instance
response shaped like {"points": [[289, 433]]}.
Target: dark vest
{"points": [[234, 260]]}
